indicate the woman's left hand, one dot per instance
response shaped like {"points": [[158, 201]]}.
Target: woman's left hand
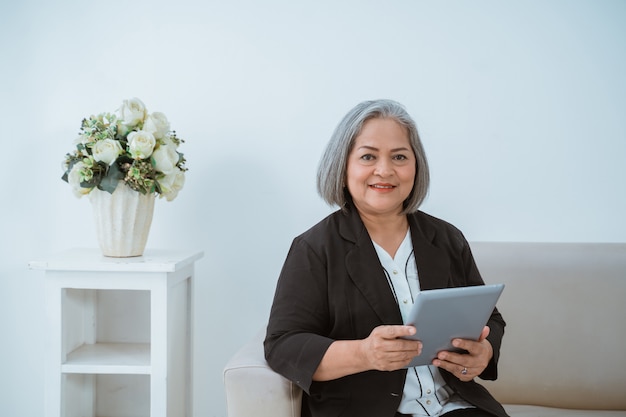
{"points": [[466, 366]]}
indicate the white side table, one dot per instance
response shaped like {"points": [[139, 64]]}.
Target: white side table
{"points": [[119, 333]]}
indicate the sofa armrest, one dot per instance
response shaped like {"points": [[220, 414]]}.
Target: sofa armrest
{"points": [[254, 389]]}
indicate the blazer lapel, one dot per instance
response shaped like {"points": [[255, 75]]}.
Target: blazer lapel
{"points": [[433, 266], [366, 272]]}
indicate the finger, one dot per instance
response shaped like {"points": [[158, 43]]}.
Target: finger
{"points": [[468, 344], [388, 339], [396, 331], [484, 333], [452, 357], [464, 344], [405, 347], [461, 372], [411, 347], [453, 368]]}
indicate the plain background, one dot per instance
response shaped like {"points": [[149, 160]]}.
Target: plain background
{"points": [[521, 106]]}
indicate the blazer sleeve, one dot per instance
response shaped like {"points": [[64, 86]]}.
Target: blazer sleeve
{"points": [[299, 316]]}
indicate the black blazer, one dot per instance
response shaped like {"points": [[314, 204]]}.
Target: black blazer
{"points": [[332, 286]]}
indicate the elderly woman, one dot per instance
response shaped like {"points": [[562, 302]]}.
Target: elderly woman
{"points": [[335, 326]]}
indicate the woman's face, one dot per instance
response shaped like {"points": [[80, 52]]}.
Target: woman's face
{"points": [[381, 168]]}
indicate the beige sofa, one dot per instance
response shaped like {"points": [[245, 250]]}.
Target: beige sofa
{"points": [[564, 351]]}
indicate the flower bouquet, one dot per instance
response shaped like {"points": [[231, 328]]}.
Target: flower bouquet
{"points": [[133, 146]]}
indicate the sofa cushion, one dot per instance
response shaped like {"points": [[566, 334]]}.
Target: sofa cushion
{"points": [[565, 310]]}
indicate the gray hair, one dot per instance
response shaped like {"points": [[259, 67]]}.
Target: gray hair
{"points": [[331, 172]]}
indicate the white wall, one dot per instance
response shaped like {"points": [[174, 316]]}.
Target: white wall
{"points": [[521, 106]]}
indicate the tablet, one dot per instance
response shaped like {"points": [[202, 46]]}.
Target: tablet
{"points": [[450, 313]]}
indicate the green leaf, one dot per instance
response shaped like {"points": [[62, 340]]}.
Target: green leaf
{"points": [[111, 178]]}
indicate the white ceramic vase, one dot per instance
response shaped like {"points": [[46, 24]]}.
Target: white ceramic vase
{"points": [[123, 220]]}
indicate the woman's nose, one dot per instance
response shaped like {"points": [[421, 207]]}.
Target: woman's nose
{"points": [[383, 168]]}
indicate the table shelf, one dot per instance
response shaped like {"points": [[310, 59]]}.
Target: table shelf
{"points": [[109, 358], [119, 333]]}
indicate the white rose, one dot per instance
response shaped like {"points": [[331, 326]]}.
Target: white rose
{"points": [[141, 144], [132, 112], [165, 158], [73, 178], [157, 124], [172, 184], [107, 151]]}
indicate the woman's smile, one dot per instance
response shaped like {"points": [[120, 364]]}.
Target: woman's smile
{"points": [[382, 187]]}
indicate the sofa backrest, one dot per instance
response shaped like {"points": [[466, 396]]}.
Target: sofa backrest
{"points": [[565, 308]]}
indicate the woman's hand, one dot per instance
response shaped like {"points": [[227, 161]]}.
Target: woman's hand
{"points": [[382, 350], [466, 366], [385, 350]]}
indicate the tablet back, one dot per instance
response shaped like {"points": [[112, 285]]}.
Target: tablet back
{"points": [[450, 313]]}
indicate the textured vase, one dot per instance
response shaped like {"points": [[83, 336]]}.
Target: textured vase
{"points": [[123, 220]]}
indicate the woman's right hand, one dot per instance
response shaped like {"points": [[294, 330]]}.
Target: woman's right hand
{"points": [[382, 350], [386, 350]]}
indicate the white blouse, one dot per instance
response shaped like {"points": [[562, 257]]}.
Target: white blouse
{"points": [[425, 391]]}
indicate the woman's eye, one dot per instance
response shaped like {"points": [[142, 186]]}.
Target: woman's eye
{"points": [[400, 157], [367, 157]]}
